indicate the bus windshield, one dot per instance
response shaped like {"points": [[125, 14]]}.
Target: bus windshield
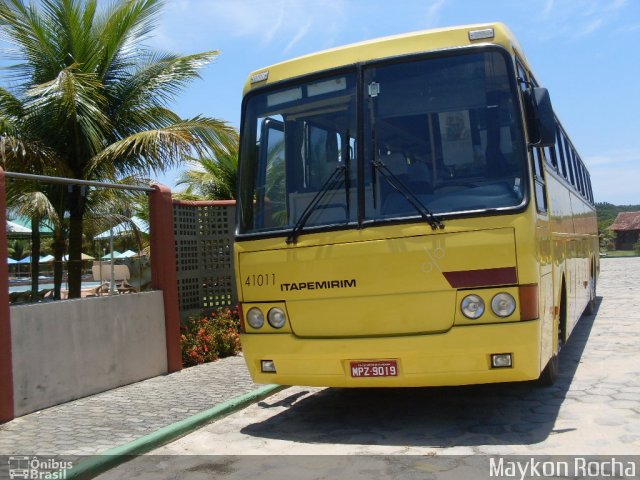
{"points": [[447, 128]]}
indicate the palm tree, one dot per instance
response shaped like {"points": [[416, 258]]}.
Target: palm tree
{"points": [[89, 101], [214, 175], [18, 249], [27, 201]]}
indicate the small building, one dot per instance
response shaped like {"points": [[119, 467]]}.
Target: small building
{"points": [[627, 229]]}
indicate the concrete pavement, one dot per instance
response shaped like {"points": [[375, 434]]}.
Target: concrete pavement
{"points": [[593, 409], [94, 424]]}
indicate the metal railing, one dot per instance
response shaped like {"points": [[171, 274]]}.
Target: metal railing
{"points": [[108, 279]]}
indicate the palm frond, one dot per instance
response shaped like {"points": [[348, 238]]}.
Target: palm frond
{"points": [[122, 29], [139, 118], [157, 80], [33, 36], [162, 148], [215, 174], [32, 204], [72, 98], [11, 107]]}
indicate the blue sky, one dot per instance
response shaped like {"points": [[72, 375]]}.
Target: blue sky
{"points": [[582, 50]]}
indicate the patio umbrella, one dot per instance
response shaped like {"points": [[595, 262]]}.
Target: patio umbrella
{"points": [[116, 254], [128, 254], [17, 230], [124, 228], [11, 261], [83, 256], [46, 259]]}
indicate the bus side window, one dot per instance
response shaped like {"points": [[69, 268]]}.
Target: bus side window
{"points": [[579, 169], [522, 77], [588, 177], [550, 156], [560, 152], [539, 183], [569, 157]]}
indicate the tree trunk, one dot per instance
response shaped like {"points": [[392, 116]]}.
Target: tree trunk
{"points": [[58, 253], [35, 258], [74, 266]]}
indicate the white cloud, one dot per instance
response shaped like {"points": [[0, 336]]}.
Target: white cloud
{"points": [[277, 23], [548, 8], [433, 13], [616, 158], [615, 176], [575, 20], [589, 28], [298, 36]]}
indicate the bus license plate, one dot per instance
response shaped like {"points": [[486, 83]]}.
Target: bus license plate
{"points": [[385, 368]]}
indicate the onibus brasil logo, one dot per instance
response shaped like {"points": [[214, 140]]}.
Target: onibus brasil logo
{"points": [[40, 469]]}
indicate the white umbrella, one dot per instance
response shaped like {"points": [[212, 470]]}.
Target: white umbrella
{"points": [[116, 254], [83, 256], [128, 254], [124, 228], [13, 227]]}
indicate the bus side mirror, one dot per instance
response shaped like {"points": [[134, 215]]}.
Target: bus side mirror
{"points": [[542, 123]]}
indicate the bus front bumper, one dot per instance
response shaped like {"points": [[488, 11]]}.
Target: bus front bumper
{"points": [[460, 356]]}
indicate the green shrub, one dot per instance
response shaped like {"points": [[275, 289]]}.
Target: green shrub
{"points": [[210, 337]]}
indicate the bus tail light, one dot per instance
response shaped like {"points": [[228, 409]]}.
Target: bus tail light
{"points": [[528, 301]]}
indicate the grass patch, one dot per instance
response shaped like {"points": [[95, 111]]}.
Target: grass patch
{"points": [[621, 253]]}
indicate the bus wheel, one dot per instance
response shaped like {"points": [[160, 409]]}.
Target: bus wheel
{"points": [[590, 309], [550, 373]]}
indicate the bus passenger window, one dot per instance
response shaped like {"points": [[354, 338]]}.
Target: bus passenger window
{"points": [[550, 155], [560, 153], [540, 187]]}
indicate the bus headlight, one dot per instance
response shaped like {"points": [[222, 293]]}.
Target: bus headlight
{"points": [[276, 317], [503, 304], [255, 318], [472, 306]]}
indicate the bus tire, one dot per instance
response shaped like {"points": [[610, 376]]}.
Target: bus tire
{"points": [[590, 309], [550, 373]]}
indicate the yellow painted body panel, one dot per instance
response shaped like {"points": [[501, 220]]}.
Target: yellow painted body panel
{"points": [[405, 44], [387, 279], [402, 307], [458, 357]]}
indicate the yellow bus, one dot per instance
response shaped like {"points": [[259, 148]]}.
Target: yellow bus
{"points": [[410, 213]]}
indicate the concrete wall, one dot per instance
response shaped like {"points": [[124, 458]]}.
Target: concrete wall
{"points": [[74, 348]]}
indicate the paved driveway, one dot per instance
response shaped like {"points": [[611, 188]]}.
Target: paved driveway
{"points": [[594, 408]]}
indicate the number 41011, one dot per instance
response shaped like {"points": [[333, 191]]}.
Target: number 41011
{"points": [[261, 280]]}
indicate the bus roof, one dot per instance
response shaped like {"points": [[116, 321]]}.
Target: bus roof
{"points": [[391, 46]]}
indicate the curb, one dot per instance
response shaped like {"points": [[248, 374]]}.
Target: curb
{"points": [[117, 455]]}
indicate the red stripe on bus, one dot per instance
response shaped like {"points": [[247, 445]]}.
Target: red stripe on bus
{"points": [[485, 277]]}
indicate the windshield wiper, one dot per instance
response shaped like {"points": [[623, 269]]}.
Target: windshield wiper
{"points": [[409, 196], [331, 183]]}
